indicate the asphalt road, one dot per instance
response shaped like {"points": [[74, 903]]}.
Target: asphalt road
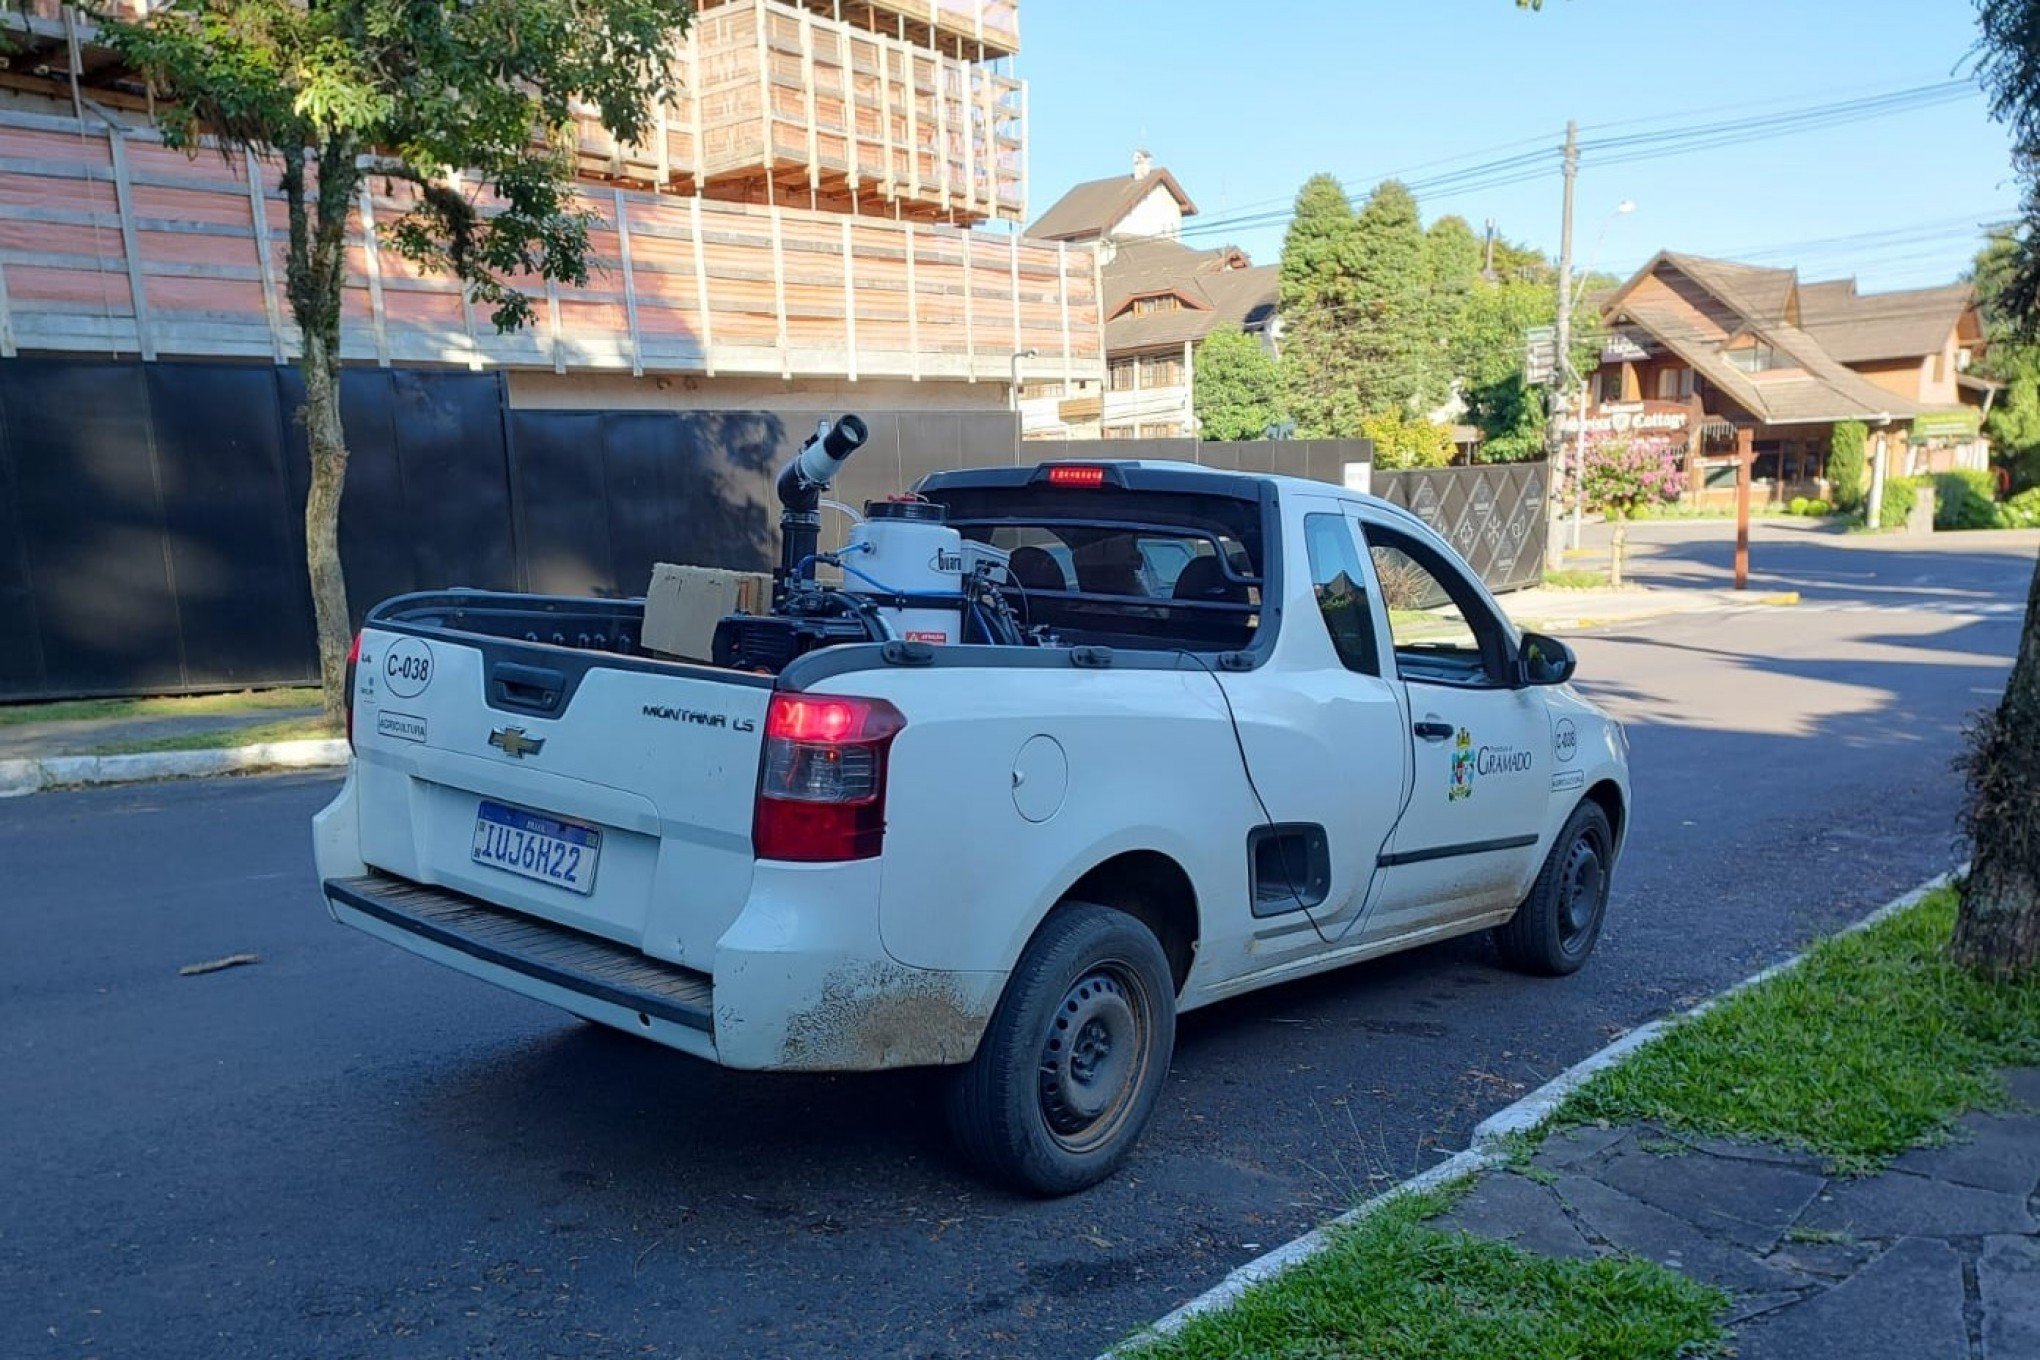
{"points": [[343, 1150]]}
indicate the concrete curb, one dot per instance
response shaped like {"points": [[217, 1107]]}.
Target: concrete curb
{"points": [[1488, 1146], [18, 777]]}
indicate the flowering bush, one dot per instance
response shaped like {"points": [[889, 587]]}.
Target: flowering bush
{"points": [[1620, 478]]}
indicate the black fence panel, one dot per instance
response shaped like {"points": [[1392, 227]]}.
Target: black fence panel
{"points": [[1491, 513], [242, 604], [152, 515], [91, 519]]}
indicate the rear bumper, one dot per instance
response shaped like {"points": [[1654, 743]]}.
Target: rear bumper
{"points": [[797, 986], [582, 973]]}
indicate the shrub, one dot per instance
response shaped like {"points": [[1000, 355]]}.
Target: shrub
{"points": [[1818, 507], [2023, 510], [1796, 506], [1402, 441], [1899, 495], [1848, 465], [1964, 500]]}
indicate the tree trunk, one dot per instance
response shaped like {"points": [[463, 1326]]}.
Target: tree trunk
{"points": [[1997, 932], [317, 274], [328, 443], [1618, 542]]}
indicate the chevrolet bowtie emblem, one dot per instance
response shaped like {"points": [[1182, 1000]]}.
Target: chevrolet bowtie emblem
{"points": [[512, 741]]}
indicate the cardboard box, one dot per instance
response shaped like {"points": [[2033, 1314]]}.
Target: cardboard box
{"points": [[683, 605]]}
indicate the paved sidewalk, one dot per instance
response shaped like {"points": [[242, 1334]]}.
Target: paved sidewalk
{"points": [[85, 736], [1938, 1256], [1548, 609]]}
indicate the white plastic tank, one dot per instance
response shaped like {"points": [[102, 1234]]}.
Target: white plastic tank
{"points": [[904, 548]]}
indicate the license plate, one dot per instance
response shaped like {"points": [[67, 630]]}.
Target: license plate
{"points": [[537, 846]]}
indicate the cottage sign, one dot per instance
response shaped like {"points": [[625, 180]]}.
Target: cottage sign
{"points": [[1630, 420]]}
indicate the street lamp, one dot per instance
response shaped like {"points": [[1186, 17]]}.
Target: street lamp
{"points": [[1622, 209]]}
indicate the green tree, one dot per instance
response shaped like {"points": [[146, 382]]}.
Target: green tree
{"points": [[1452, 257], [1997, 930], [1319, 295], [1238, 391], [1848, 466], [342, 90], [2011, 358], [1394, 359], [1486, 352]]}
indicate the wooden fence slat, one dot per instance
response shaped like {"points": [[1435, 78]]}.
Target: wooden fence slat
{"points": [[371, 256], [849, 303], [637, 349], [706, 314], [124, 195]]}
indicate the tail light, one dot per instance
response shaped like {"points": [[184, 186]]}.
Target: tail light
{"points": [[353, 660], [821, 788]]}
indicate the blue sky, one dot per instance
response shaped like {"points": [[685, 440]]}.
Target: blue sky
{"points": [[1244, 100]]}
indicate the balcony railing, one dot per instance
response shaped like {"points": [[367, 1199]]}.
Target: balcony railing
{"points": [[112, 243]]}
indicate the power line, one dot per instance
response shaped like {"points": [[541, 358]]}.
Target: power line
{"points": [[1623, 150]]}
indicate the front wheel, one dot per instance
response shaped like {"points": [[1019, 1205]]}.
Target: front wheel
{"points": [[1556, 927], [1071, 1065]]}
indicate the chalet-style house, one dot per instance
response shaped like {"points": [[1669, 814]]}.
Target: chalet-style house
{"points": [[1161, 298], [1695, 345]]}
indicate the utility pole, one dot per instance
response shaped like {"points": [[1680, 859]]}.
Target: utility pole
{"points": [[1561, 370]]}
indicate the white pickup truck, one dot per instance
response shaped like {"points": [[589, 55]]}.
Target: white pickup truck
{"points": [[1232, 730]]}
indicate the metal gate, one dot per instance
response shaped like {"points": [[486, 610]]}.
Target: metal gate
{"points": [[1492, 515]]}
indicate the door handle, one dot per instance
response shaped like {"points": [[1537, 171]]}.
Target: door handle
{"points": [[1430, 729]]}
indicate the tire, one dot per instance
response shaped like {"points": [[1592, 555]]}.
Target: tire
{"points": [[1556, 928], [1070, 1067]]}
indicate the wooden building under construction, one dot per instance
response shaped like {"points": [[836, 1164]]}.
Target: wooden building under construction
{"points": [[811, 207], [825, 217]]}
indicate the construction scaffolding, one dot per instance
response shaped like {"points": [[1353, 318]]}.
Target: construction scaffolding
{"points": [[111, 243]]}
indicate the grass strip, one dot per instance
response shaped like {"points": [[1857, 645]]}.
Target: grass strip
{"points": [[166, 706], [1872, 1045], [259, 734], [1389, 1288]]}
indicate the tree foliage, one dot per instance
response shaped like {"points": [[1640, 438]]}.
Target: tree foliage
{"points": [[1395, 352], [462, 104], [1238, 391], [2013, 358], [1848, 466], [1319, 295], [1403, 440]]}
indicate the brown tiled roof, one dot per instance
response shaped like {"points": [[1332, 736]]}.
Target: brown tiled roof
{"points": [[1863, 328], [1091, 209], [1758, 293], [1823, 390], [1214, 287]]}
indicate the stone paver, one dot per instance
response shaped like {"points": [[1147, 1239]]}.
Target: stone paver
{"points": [[1905, 1305], [1899, 1205], [2008, 1281], [1631, 1225], [1995, 1153], [1739, 1216], [1566, 1150], [1748, 1203], [1518, 1209]]}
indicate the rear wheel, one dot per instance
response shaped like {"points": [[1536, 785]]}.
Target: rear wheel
{"points": [[1073, 1060], [1555, 929]]}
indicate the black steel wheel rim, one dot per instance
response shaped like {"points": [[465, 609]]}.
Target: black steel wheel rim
{"points": [[1582, 889], [1095, 1055]]}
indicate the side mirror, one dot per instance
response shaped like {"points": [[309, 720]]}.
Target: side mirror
{"points": [[1545, 660]]}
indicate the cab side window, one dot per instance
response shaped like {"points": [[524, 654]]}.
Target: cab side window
{"points": [[1341, 589], [1443, 631]]}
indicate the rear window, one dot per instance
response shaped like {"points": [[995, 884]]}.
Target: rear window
{"points": [[1121, 568]]}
